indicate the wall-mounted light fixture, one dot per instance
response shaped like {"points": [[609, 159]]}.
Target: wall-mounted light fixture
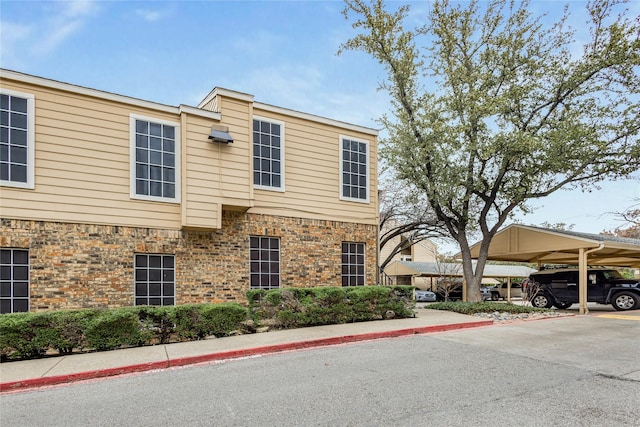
{"points": [[220, 134]]}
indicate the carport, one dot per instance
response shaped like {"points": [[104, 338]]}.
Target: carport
{"points": [[522, 243], [443, 269]]}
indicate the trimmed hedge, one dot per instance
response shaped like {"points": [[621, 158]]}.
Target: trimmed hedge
{"points": [[31, 335], [300, 307], [483, 307]]}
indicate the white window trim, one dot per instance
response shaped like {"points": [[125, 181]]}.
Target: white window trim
{"points": [[368, 178], [280, 189], [31, 140], [132, 158]]}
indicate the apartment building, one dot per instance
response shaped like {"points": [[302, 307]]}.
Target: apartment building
{"points": [[108, 200]]}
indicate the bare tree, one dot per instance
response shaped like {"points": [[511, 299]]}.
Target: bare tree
{"points": [[405, 219]]}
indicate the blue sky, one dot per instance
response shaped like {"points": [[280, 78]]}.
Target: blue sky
{"points": [[282, 52]]}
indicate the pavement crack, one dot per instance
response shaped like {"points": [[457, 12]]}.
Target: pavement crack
{"points": [[44, 374], [617, 377]]}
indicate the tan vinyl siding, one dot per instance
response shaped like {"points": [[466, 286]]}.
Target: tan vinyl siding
{"points": [[82, 164], [312, 174]]}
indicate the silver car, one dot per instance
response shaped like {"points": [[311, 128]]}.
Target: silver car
{"points": [[425, 296]]}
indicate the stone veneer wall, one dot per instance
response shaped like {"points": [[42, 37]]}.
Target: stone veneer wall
{"points": [[85, 265]]}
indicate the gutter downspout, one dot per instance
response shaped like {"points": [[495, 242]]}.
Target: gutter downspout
{"points": [[582, 266]]}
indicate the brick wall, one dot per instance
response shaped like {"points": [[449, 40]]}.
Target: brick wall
{"points": [[84, 265]]}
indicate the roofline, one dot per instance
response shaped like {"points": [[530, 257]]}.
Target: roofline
{"points": [[241, 96], [68, 87]]}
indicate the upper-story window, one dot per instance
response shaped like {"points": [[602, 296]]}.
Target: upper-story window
{"points": [[268, 154], [17, 139], [155, 159], [354, 168]]}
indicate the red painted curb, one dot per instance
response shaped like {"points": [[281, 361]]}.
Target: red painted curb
{"points": [[233, 354]]}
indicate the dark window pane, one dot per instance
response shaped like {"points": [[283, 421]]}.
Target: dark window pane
{"points": [[5, 289], [169, 190], [142, 155], [141, 260], [18, 104], [168, 132], [155, 173], [155, 189], [142, 127], [155, 289], [168, 301], [141, 274], [168, 145], [155, 261], [5, 306], [19, 155], [19, 137], [155, 143], [18, 173], [19, 120], [142, 141], [4, 102], [142, 187], [20, 305], [142, 171], [141, 289], [155, 301], [20, 257], [141, 301], [155, 157], [155, 129], [167, 276], [167, 289], [168, 159], [168, 261]]}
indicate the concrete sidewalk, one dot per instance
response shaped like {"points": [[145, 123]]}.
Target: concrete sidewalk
{"points": [[26, 374]]}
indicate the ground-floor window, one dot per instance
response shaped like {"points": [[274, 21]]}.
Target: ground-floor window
{"points": [[155, 279], [265, 262], [352, 264], [14, 280]]}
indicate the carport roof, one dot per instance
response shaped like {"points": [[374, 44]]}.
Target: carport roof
{"points": [[435, 269], [525, 243]]}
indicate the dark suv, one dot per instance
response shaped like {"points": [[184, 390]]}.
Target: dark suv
{"points": [[559, 288]]}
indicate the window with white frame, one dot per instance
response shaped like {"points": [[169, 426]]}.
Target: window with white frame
{"points": [[155, 159], [264, 255], [14, 280], [354, 168], [154, 279], [17, 140], [353, 272], [268, 158]]}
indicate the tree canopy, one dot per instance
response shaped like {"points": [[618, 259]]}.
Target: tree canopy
{"points": [[492, 107]]}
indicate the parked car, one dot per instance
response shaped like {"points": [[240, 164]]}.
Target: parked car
{"points": [[559, 288], [500, 291], [455, 294], [425, 296]]}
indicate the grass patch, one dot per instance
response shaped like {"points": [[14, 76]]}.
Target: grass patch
{"points": [[484, 307]]}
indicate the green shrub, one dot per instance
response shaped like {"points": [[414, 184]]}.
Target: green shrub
{"points": [[19, 338], [158, 320], [66, 329], [221, 319], [483, 307], [299, 307], [112, 329], [197, 321]]}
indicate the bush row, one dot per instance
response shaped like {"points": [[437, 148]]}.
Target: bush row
{"points": [[483, 307], [29, 335], [300, 307]]}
